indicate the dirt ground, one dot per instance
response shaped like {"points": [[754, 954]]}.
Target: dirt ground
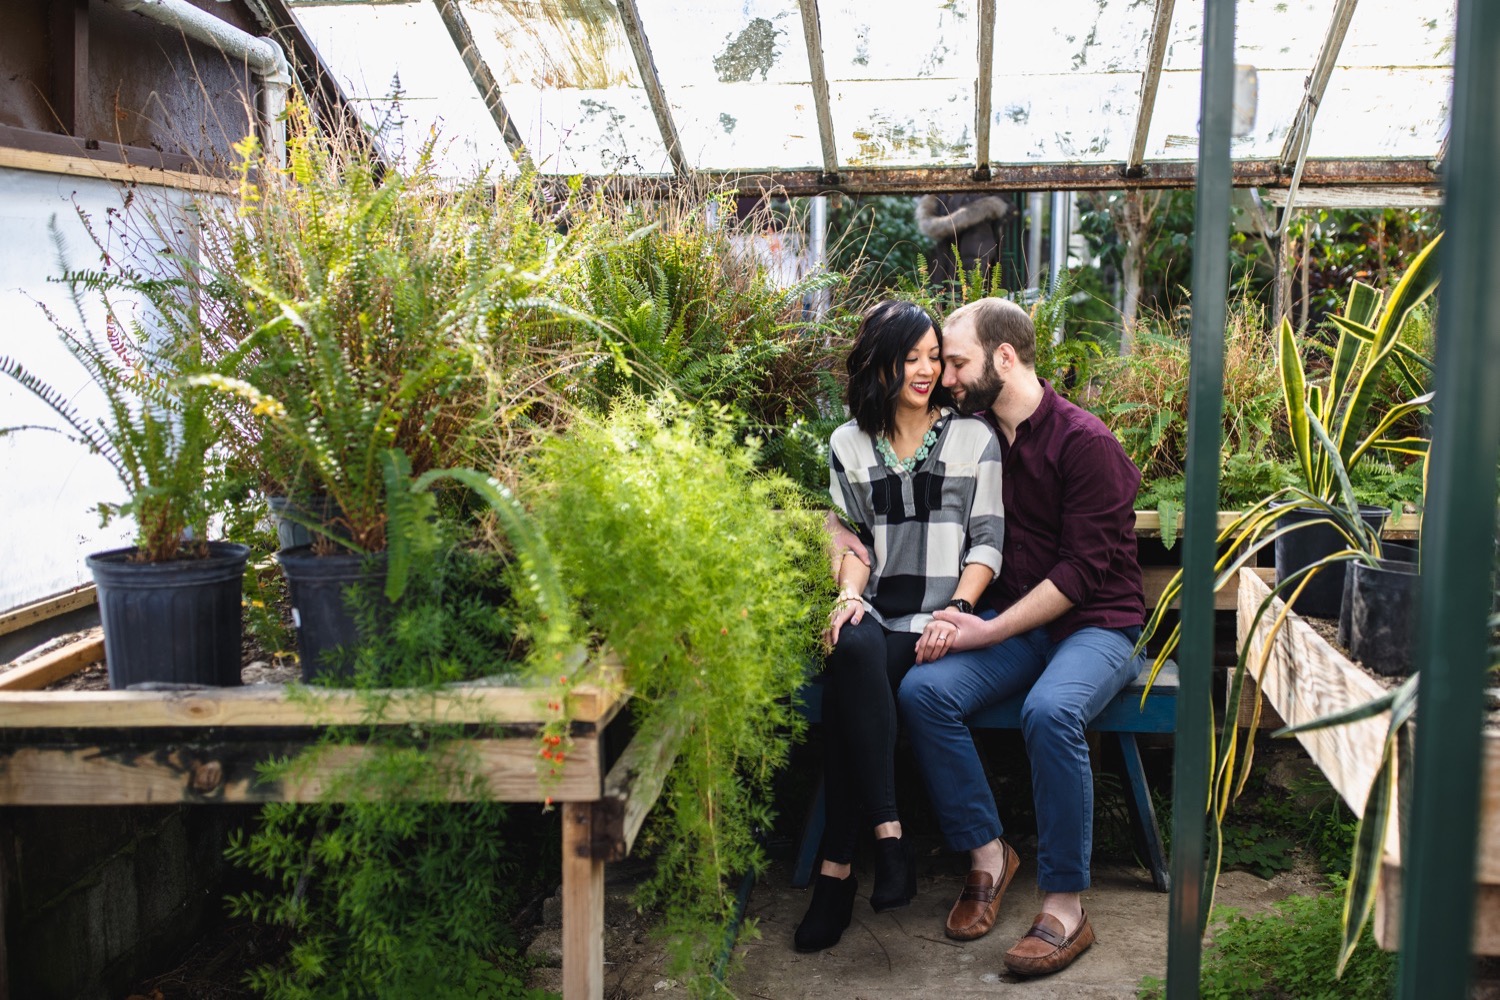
{"points": [[903, 953]]}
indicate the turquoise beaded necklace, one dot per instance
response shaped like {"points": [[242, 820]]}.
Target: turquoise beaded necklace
{"points": [[888, 453]]}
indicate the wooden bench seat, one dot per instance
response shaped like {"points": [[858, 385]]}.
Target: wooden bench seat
{"points": [[1123, 718]]}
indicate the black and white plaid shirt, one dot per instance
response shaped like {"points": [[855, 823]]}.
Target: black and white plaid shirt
{"points": [[922, 527]]}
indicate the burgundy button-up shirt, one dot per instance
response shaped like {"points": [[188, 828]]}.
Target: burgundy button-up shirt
{"points": [[1069, 491]]}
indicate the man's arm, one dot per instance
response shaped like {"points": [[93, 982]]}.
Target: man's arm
{"points": [[1043, 605], [842, 543]]}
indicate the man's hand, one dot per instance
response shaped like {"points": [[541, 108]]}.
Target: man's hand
{"points": [[844, 542], [951, 631]]}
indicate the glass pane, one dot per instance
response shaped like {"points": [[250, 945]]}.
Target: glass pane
{"points": [[1053, 119], [1072, 36], [904, 122], [737, 78], [399, 68], [570, 81]]}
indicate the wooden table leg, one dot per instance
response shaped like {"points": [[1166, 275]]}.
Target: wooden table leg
{"points": [[582, 906]]}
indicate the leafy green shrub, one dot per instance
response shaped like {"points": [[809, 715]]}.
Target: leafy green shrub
{"points": [[1289, 952], [708, 579]]}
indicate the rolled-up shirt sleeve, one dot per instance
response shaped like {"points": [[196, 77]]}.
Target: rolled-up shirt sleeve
{"points": [[986, 528], [1098, 513]]}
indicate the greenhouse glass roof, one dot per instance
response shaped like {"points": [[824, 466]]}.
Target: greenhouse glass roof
{"points": [[896, 94]]}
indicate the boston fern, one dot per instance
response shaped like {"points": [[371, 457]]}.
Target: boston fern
{"points": [[157, 431]]}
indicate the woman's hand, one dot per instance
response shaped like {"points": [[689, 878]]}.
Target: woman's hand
{"points": [[848, 610], [949, 632]]}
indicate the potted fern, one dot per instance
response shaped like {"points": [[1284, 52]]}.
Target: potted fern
{"points": [[366, 311], [170, 603]]}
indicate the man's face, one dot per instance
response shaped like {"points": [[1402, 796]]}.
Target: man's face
{"points": [[968, 372]]}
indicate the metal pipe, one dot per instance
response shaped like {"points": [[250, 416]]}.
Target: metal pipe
{"points": [[1437, 886], [264, 56], [1058, 238], [817, 246], [1190, 783], [1034, 204]]}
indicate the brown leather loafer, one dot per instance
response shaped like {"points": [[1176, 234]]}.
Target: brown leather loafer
{"points": [[1045, 950], [974, 913]]}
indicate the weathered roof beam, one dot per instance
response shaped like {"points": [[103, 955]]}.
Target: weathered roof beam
{"points": [[484, 80], [1156, 57], [1264, 173], [812, 32], [984, 89], [1300, 134], [630, 18]]}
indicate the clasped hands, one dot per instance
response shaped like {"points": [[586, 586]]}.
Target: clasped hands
{"points": [[950, 631]]}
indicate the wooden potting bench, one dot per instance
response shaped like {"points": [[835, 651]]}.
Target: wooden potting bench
{"points": [[118, 748]]}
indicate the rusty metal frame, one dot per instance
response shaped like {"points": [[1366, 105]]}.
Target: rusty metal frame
{"points": [[984, 87], [1300, 134], [1025, 177], [1156, 57], [630, 18], [484, 80], [812, 32]]}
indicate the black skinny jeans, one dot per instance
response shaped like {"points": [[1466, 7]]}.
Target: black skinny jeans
{"points": [[860, 678]]}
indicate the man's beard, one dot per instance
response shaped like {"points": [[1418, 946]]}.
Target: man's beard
{"points": [[982, 394]]}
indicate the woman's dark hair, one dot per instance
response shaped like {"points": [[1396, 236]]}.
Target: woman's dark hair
{"points": [[888, 332]]}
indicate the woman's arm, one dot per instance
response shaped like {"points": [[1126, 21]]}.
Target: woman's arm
{"points": [[849, 606]]}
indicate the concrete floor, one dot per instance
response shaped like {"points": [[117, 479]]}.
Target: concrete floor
{"points": [[903, 953]]}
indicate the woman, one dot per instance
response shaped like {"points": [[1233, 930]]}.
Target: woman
{"points": [[921, 487]]}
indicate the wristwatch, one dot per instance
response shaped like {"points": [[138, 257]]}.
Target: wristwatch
{"points": [[961, 605]]}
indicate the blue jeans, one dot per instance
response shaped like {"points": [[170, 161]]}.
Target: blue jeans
{"points": [[1068, 683]]}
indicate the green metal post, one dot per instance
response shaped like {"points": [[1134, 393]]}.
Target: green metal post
{"points": [[1457, 535], [1205, 424]]}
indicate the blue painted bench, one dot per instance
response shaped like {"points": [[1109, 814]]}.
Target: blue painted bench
{"points": [[1123, 718]]}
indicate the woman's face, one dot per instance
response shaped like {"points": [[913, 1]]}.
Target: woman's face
{"points": [[922, 372]]}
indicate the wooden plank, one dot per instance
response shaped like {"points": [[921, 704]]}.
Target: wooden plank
{"points": [[70, 62], [1305, 679], [1154, 580], [274, 706], [54, 666], [1387, 923], [1148, 524], [225, 771], [582, 907], [125, 173], [635, 783], [49, 607], [812, 35]]}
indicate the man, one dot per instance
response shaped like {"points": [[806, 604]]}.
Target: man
{"points": [[1059, 622]]}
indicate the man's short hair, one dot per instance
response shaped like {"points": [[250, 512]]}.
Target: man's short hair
{"points": [[1000, 321]]}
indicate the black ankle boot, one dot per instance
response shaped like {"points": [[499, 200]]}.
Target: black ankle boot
{"points": [[829, 913], [895, 874]]}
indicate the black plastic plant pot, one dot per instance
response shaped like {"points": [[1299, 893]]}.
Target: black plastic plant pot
{"points": [[1399, 552], [1306, 545], [327, 632], [292, 533], [175, 622], [1383, 615]]}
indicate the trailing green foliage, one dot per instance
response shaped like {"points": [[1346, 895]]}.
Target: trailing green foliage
{"points": [[1288, 952], [708, 579], [385, 888]]}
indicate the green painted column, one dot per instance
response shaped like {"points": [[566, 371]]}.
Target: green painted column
{"points": [[1457, 535], [1205, 424]]}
